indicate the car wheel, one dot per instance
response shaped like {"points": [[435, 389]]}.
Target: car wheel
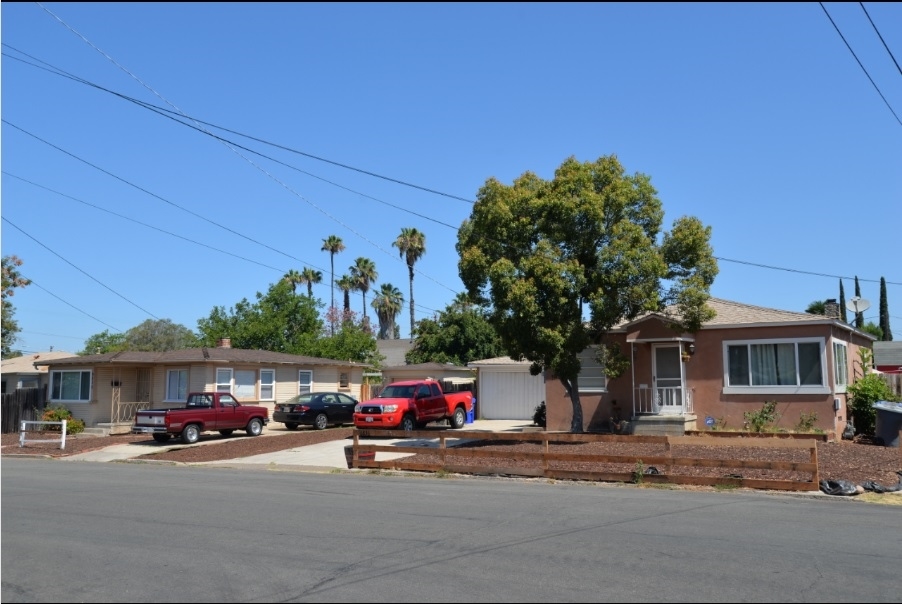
{"points": [[291, 426], [321, 422], [162, 438], [226, 432], [254, 427], [458, 419], [191, 434], [407, 423]]}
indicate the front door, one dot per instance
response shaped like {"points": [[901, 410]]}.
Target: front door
{"points": [[142, 386], [667, 374]]}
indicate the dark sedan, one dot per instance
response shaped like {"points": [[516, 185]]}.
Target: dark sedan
{"points": [[317, 409]]}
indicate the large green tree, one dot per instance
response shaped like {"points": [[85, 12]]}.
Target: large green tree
{"points": [[842, 303], [887, 333], [9, 329], [346, 284], [859, 316], [278, 321], [387, 303], [564, 260], [411, 244], [352, 341], [104, 342], [154, 335], [817, 308], [459, 334]]}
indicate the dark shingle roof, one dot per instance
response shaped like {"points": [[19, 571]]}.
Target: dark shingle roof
{"points": [[200, 355]]}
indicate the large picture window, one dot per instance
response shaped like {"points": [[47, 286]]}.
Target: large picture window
{"points": [[177, 385], [245, 384], [776, 366], [70, 386], [591, 373]]}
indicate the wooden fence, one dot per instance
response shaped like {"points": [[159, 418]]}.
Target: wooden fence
{"points": [[671, 465], [24, 404]]}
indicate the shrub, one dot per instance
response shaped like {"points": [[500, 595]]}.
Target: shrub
{"points": [[59, 413], [538, 416], [806, 422], [763, 420], [864, 393]]}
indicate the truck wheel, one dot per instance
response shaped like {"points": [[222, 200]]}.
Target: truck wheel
{"points": [[191, 434], [254, 427], [407, 423], [321, 422], [162, 438], [458, 419], [291, 426], [226, 432]]}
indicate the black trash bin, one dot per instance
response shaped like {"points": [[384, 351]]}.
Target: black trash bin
{"points": [[889, 422]]}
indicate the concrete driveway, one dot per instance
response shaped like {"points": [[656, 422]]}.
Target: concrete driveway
{"points": [[321, 456]]}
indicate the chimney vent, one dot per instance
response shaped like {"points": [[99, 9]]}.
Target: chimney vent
{"points": [[831, 309], [224, 343]]}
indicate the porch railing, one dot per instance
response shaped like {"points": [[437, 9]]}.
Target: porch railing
{"points": [[651, 401], [124, 413]]}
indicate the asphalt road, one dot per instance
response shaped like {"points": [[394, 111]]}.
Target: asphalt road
{"points": [[126, 532]]}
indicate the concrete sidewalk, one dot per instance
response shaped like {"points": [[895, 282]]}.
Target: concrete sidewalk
{"points": [[324, 456]]}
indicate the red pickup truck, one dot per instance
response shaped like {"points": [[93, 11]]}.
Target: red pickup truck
{"points": [[203, 412], [411, 405]]}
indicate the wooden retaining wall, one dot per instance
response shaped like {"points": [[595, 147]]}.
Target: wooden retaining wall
{"points": [[551, 447]]}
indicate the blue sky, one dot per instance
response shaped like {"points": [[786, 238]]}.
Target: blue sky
{"points": [[756, 118]]}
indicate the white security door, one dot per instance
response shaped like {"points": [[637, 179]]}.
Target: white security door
{"points": [[667, 373]]}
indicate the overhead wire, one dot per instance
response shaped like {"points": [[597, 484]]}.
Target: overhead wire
{"points": [[877, 31]]}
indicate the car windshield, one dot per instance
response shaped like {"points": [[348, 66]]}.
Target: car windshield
{"points": [[397, 392]]}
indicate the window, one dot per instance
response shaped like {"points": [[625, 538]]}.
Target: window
{"points": [[226, 400], [267, 384], [840, 365], [246, 384], [176, 384], [70, 386], [223, 380], [591, 373], [305, 382], [775, 366], [343, 381]]}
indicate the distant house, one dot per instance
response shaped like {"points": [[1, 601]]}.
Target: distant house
{"points": [[742, 358], [107, 389], [21, 372], [453, 377], [394, 351]]}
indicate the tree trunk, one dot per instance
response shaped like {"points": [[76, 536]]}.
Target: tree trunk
{"points": [[410, 270], [572, 388]]}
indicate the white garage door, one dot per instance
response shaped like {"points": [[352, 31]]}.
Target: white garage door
{"points": [[509, 394]]}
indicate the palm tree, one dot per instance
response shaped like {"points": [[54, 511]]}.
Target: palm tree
{"points": [[311, 276], [333, 244], [364, 274], [388, 303], [347, 284], [294, 278], [411, 243]]}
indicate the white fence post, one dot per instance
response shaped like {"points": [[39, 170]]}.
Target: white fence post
{"points": [[62, 440]]}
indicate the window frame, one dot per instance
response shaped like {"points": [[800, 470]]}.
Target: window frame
{"points": [[219, 383], [82, 372], [344, 382], [309, 385], [797, 388], [245, 391], [589, 361], [271, 384], [840, 374], [169, 398]]}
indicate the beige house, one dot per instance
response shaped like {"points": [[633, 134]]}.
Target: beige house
{"points": [[741, 359], [105, 390], [21, 372]]}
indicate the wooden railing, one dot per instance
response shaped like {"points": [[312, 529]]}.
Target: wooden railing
{"points": [[671, 461]]}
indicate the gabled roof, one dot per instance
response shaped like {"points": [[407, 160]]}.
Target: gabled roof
{"points": [[432, 367], [497, 361], [737, 314], [199, 355], [25, 363], [394, 351]]}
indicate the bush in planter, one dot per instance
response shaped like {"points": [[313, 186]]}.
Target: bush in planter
{"points": [[864, 393], [538, 417], [59, 413]]}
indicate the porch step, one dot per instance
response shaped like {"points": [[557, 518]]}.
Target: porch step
{"points": [[95, 432], [662, 425], [110, 429]]}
